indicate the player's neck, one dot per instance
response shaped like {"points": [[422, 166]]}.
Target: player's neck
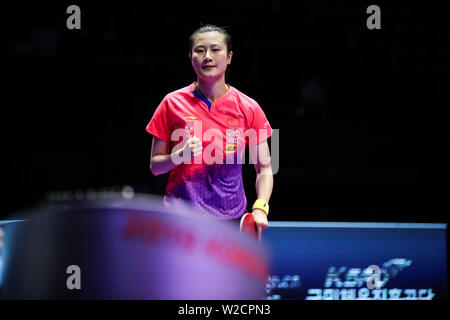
{"points": [[212, 90]]}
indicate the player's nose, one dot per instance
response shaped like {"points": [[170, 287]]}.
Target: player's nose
{"points": [[208, 55]]}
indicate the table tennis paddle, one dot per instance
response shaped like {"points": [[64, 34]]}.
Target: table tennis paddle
{"points": [[248, 225]]}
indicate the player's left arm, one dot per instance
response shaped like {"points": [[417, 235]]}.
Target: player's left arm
{"points": [[260, 154]]}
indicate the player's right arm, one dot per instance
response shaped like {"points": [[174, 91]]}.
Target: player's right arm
{"points": [[162, 162]]}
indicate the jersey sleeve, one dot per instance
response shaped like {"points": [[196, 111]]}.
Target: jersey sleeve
{"points": [[160, 125], [260, 124]]}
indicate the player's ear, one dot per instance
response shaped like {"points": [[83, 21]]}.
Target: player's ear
{"points": [[230, 55]]}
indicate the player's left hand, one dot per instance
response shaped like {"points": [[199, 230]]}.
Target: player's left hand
{"points": [[260, 221]]}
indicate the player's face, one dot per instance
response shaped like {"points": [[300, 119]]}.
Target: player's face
{"points": [[209, 55]]}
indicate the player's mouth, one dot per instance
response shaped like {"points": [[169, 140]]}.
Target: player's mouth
{"points": [[208, 67]]}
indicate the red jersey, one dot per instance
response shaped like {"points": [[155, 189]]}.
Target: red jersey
{"points": [[212, 181]]}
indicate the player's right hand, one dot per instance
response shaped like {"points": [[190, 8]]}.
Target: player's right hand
{"points": [[192, 148]]}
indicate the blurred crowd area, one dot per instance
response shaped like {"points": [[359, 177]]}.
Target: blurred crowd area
{"points": [[360, 112]]}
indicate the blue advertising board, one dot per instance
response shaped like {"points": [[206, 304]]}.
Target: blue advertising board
{"points": [[356, 261]]}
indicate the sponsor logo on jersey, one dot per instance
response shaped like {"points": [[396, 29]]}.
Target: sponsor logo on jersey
{"points": [[232, 141], [230, 148], [233, 122], [232, 133], [188, 128]]}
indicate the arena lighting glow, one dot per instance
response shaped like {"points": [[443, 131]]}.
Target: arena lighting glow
{"points": [[1, 254], [4, 226]]}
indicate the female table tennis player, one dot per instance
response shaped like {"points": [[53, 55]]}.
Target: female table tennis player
{"points": [[200, 133]]}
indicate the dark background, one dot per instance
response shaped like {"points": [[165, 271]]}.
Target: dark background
{"points": [[363, 133]]}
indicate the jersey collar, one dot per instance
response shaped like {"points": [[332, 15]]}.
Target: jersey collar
{"points": [[205, 100]]}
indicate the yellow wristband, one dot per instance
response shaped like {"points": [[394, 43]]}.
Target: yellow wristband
{"points": [[262, 205]]}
